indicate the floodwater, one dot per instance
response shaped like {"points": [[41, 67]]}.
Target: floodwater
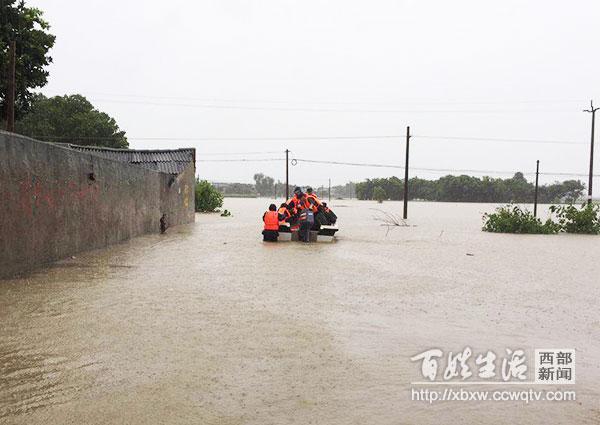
{"points": [[208, 325]]}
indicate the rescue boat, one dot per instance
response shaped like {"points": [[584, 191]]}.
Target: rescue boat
{"points": [[324, 234]]}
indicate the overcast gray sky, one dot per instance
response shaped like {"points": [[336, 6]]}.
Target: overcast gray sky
{"points": [[199, 71]]}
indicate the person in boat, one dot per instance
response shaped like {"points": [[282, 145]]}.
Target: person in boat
{"points": [[296, 203], [321, 218], [331, 217], [284, 214], [312, 199], [271, 227], [306, 219]]}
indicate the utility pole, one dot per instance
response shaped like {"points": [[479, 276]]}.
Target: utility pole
{"points": [[405, 215], [329, 190], [592, 110], [11, 84], [287, 175], [537, 180]]}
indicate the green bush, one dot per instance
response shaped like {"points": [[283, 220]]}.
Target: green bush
{"points": [[208, 199], [379, 194], [512, 219], [572, 220]]}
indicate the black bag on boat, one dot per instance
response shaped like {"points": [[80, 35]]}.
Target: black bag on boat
{"points": [[321, 218], [331, 217]]}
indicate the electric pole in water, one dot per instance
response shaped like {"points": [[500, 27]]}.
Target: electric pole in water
{"points": [[11, 84], [537, 180], [592, 110], [329, 190], [405, 215], [287, 175]]}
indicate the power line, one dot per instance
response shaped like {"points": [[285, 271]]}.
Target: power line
{"points": [[354, 164], [208, 139], [340, 102], [444, 170], [394, 166], [235, 153], [491, 139], [298, 109], [292, 138], [242, 160], [361, 164], [365, 138]]}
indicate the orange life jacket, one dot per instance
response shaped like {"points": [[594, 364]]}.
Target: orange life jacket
{"points": [[313, 201], [271, 219], [297, 203], [284, 211]]}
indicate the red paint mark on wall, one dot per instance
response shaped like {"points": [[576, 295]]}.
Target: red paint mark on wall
{"points": [[35, 195]]}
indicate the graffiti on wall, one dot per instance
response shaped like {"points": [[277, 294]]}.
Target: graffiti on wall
{"points": [[33, 194]]}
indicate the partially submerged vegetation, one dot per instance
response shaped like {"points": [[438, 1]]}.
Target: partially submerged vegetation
{"points": [[570, 219], [208, 199], [513, 219]]}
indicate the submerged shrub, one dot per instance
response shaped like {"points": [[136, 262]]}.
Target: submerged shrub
{"points": [[573, 220], [379, 194], [208, 199], [513, 219]]}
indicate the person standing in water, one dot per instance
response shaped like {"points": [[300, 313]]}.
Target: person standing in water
{"points": [[271, 227], [306, 219]]}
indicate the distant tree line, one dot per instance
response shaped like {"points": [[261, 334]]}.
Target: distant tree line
{"points": [[267, 187], [343, 191], [471, 189], [245, 190], [445, 189]]}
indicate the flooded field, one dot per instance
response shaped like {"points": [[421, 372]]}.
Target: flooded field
{"points": [[208, 325]]}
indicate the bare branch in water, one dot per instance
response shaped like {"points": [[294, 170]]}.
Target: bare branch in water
{"points": [[389, 220]]}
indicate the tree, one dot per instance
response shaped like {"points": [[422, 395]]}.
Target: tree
{"points": [[208, 199], [347, 190], [25, 26], [568, 191], [379, 194], [265, 185], [520, 189], [70, 119]]}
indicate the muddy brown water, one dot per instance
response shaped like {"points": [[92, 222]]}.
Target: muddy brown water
{"points": [[208, 325]]}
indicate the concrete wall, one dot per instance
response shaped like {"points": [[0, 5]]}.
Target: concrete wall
{"points": [[51, 209]]}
